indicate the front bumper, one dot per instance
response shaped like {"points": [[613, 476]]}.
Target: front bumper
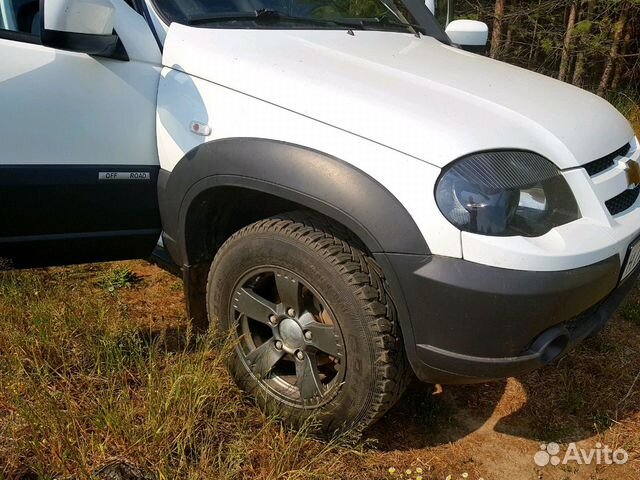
{"points": [[472, 323]]}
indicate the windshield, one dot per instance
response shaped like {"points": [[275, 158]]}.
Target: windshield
{"points": [[390, 15]]}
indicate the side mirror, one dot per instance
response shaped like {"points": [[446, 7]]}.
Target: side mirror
{"points": [[84, 26], [471, 35]]}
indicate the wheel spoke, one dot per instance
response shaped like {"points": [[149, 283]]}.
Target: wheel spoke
{"points": [[308, 377], [264, 358], [247, 302], [289, 291], [323, 337]]}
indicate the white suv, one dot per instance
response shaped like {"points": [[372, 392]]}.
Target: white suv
{"points": [[351, 193]]}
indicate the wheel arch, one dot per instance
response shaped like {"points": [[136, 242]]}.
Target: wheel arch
{"points": [[210, 179], [214, 179]]}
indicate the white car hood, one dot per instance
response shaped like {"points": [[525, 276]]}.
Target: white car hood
{"points": [[415, 95]]}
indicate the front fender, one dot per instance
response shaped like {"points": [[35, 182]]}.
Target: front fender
{"points": [[299, 174]]}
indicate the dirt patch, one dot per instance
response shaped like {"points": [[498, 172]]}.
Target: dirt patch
{"points": [[95, 376]]}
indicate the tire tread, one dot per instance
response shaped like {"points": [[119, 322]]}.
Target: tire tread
{"points": [[346, 253]]}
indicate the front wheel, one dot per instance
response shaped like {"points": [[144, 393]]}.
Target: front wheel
{"points": [[314, 327]]}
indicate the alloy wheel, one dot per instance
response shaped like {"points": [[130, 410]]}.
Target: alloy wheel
{"points": [[288, 337]]}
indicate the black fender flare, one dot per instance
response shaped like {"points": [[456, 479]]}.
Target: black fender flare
{"points": [[308, 177]]}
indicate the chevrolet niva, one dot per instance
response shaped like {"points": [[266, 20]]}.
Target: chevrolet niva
{"points": [[344, 185]]}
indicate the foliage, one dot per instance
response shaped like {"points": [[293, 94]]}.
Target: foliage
{"points": [[118, 278], [601, 47]]}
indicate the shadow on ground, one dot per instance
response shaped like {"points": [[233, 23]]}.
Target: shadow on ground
{"points": [[582, 395]]}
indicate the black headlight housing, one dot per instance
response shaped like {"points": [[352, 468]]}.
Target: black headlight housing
{"points": [[505, 193]]}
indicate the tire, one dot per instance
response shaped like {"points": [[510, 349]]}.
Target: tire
{"points": [[316, 339]]}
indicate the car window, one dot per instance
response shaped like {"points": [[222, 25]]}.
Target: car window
{"points": [[376, 14], [21, 16]]}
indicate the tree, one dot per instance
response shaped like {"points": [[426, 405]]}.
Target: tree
{"points": [[585, 31], [496, 35], [534, 41], [594, 44], [568, 37], [613, 54], [620, 64]]}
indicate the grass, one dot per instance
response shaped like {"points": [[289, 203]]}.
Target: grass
{"points": [[93, 378], [631, 313], [85, 382], [117, 278]]}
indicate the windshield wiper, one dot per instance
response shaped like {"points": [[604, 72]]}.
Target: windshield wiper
{"points": [[269, 15], [384, 22]]}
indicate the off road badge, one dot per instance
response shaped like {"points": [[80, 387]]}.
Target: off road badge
{"points": [[124, 176]]}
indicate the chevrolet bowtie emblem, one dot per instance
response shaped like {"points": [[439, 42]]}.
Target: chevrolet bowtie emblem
{"points": [[633, 173]]}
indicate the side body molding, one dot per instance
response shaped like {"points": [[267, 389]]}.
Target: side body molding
{"points": [[298, 174]]}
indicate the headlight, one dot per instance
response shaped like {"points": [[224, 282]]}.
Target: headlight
{"points": [[505, 194]]}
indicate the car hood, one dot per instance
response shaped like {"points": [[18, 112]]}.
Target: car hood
{"points": [[415, 95]]}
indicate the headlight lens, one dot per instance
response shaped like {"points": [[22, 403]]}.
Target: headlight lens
{"points": [[505, 194]]}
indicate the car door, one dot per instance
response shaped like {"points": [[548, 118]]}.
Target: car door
{"points": [[78, 155]]}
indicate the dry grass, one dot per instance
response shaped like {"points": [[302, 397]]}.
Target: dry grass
{"points": [[628, 103], [96, 366], [634, 116]]}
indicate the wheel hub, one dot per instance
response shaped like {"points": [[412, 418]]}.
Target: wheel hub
{"points": [[291, 334], [289, 341]]}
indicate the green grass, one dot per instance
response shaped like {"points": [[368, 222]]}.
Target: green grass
{"points": [[631, 312], [118, 278], [83, 384]]}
